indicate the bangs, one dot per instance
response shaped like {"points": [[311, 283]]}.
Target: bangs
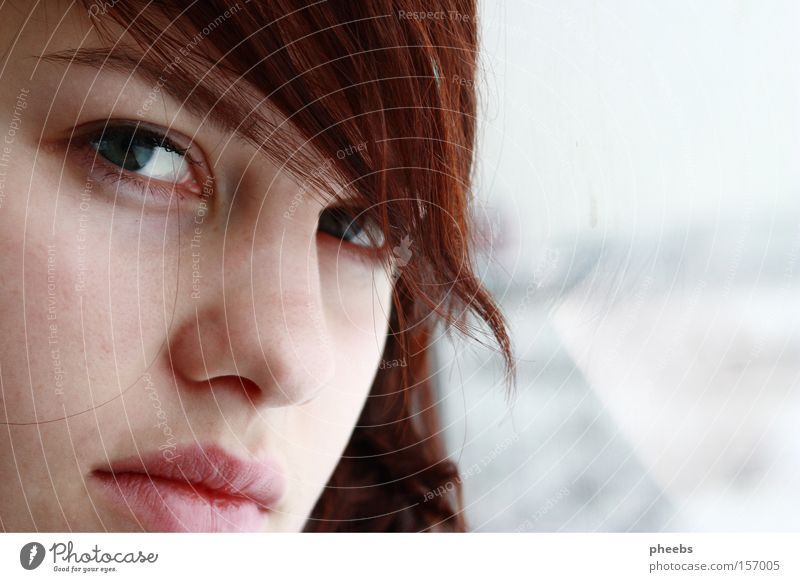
{"points": [[342, 97]]}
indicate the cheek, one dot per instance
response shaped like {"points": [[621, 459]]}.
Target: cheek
{"points": [[317, 433], [356, 291], [356, 298], [358, 306], [98, 285], [39, 353]]}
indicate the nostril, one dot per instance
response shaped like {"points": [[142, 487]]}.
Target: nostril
{"points": [[244, 385]]}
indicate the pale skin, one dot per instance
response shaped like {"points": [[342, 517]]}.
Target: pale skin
{"points": [[142, 312]]}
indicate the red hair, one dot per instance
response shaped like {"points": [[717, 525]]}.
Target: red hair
{"points": [[344, 73]]}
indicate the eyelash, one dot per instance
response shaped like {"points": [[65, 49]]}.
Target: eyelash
{"points": [[143, 187], [368, 255], [114, 175]]}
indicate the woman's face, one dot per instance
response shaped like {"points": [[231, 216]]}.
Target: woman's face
{"points": [[172, 303]]}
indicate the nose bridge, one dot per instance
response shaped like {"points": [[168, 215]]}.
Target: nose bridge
{"points": [[260, 312]]}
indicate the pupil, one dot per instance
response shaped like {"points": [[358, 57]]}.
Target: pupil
{"points": [[125, 150]]}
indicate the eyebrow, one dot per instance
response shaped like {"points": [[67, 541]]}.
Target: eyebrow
{"points": [[192, 96]]}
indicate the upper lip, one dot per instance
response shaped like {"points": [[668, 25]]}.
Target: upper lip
{"points": [[212, 471]]}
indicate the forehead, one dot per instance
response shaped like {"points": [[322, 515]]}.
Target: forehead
{"points": [[170, 64]]}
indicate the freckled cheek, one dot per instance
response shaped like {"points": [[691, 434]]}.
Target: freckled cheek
{"points": [[357, 303], [356, 294], [319, 431], [358, 325], [43, 361], [96, 295]]}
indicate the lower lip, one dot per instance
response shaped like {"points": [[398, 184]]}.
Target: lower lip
{"points": [[164, 505]]}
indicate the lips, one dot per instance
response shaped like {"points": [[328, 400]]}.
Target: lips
{"points": [[196, 489]]}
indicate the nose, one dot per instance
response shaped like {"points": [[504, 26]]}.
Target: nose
{"points": [[254, 311]]}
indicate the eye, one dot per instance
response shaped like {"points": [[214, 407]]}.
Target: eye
{"points": [[146, 153], [351, 226]]}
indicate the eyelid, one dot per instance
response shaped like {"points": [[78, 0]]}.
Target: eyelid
{"points": [[353, 210], [88, 132], [369, 256], [81, 138]]}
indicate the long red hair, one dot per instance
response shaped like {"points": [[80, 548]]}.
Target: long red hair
{"points": [[346, 73]]}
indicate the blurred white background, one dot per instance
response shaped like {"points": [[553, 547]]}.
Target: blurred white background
{"points": [[638, 175]]}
